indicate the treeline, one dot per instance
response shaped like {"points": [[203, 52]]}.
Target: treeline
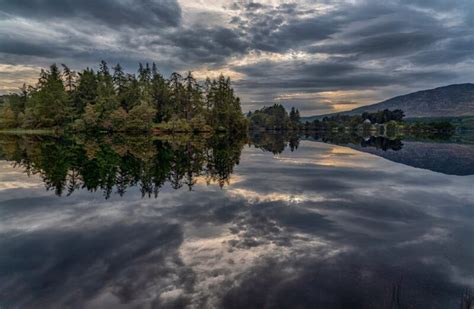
{"points": [[274, 118], [112, 100], [353, 121]]}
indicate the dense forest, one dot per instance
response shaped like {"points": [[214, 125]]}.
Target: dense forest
{"points": [[274, 117], [381, 117], [112, 100]]}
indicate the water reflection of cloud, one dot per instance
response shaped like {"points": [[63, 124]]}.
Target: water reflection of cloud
{"points": [[254, 197], [315, 235], [10, 178]]}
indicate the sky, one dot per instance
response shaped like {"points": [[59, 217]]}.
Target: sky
{"points": [[319, 56]]}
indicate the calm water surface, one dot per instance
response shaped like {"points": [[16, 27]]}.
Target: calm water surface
{"points": [[274, 222]]}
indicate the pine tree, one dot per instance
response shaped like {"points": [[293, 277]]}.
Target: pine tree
{"points": [[49, 100], [160, 96], [86, 91], [106, 98], [176, 94]]}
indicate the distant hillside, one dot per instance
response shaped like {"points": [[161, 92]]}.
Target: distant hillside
{"points": [[448, 101]]}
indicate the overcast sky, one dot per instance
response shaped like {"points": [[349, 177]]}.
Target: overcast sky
{"points": [[320, 56]]}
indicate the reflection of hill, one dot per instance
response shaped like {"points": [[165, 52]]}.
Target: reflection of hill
{"points": [[446, 158], [442, 157]]}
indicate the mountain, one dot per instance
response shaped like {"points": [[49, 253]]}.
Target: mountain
{"points": [[449, 101]]}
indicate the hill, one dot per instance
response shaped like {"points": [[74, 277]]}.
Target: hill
{"points": [[449, 101]]}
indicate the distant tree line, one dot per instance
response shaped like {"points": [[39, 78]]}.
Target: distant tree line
{"points": [[113, 100], [274, 118], [351, 121]]}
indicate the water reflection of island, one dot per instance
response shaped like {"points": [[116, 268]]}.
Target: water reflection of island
{"points": [[113, 164]]}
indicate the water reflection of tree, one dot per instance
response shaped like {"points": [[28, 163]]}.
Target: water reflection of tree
{"points": [[118, 162], [378, 142], [275, 142], [114, 163]]}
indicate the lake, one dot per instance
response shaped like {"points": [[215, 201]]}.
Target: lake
{"points": [[270, 221]]}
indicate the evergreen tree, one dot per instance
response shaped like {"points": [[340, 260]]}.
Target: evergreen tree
{"points": [[177, 95], [86, 91], [160, 96], [49, 100], [106, 102], [192, 105], [131, 95]]}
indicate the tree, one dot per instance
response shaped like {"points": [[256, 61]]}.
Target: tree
{"points": [[69, 79], [131, 95], [86, 92], [225, 111], [106, 101], [7, 118], [119, 120], [192, 104], [160, 96], [274, 118], [49, 100], [176, 94], [295, 118], [140, 118], [90, 118]]}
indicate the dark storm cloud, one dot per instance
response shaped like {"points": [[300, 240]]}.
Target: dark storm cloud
{"points": [[388, 45], [22, 47], [278, 29], [398, 36], [451, 51], [397, 44], [329, 75], [127, 13], [202, 45]]}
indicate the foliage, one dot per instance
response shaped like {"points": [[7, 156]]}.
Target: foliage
{"points": [[364, 121], [116, 101], [462, 123], [274, 118], [7, 118]]}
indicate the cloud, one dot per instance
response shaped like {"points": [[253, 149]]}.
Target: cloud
{"points": [[272, 47], [122, 13]]}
